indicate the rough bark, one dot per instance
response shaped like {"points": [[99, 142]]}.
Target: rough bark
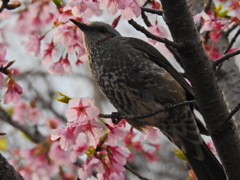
{"points": [[7, 171], [209, 97]]}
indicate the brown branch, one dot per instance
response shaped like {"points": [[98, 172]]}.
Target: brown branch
{"points": [[175, 54], [153, 11], [230, 30], [134, 172], [4, 69], [4, 5], [33, 135], [145, 19], [152, 36], [7, 171], [232, 42], [225, 57], [200, 72], [120, 116], [234, 111]]}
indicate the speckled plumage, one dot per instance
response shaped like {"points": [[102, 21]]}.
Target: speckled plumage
{"points": [[137, 79]]}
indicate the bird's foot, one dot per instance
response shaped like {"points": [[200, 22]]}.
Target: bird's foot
{"points": [[116, 117], [167, 107]]}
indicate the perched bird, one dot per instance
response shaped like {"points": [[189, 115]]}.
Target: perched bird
{"points": [[138, 79]]}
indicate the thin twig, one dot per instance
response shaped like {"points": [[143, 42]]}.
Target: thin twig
{"points": [[142, 116], [134, 172], [231, 29], [232, 42], [225, 57], [153, 11], [4, 5], [175, 54], [145, 19], [234, 111], [152, 36]]}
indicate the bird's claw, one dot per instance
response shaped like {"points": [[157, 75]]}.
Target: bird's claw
{"points": [[116, 117], [167, 107]]}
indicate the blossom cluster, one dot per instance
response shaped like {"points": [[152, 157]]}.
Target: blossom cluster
{"points": [[14, 90], [217, 22], [84, 135]]}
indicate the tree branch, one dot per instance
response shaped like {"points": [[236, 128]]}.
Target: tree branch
{"points": [[175, 54], [234, 111], [145, 19], [34, 135], [7, 171], [152, 36], [131, 117], [4, 5], [208, 96], [232, 42], [152, 11], [134, 172], [224, 58]]}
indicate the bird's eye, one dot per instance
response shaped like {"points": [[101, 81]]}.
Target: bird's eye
{"points": [[103, 30]]}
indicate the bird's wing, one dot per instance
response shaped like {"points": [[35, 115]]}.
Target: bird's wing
{"points": [[154, 55], [161, 61]]}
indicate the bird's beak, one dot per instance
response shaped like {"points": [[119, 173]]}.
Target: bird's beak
{"points": [[82, 26]]}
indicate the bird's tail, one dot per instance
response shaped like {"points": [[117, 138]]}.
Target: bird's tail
{"points": [[209, 167]]}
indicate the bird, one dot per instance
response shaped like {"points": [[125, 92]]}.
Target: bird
{"points": [[137, 79]]}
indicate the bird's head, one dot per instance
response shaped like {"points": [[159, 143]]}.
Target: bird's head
{"points": [[96, 32]]}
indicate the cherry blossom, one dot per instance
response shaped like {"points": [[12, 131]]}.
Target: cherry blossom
{"points": [[151, 134], [83, 8], [61, 66], [116, 133], [119, 153], [34, 115], [13, 92], [211, 147], [158, 31], [82, 59], [81, 110], [56, 67], [66, 64], [112, 6], [52, 123], [88, 166], [59, 156], [20, 110], [32, 44], [235, 5], [48, 54], [34, 18], [132, 9], [67, 136], [3, 53], [64, 34], [81, 146], [150, 156], [94, 131], [36, 163]]}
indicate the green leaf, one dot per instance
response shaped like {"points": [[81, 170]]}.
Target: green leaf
{"points": [[179, 154], [58, 3], [61, 97], [3, 144]]}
